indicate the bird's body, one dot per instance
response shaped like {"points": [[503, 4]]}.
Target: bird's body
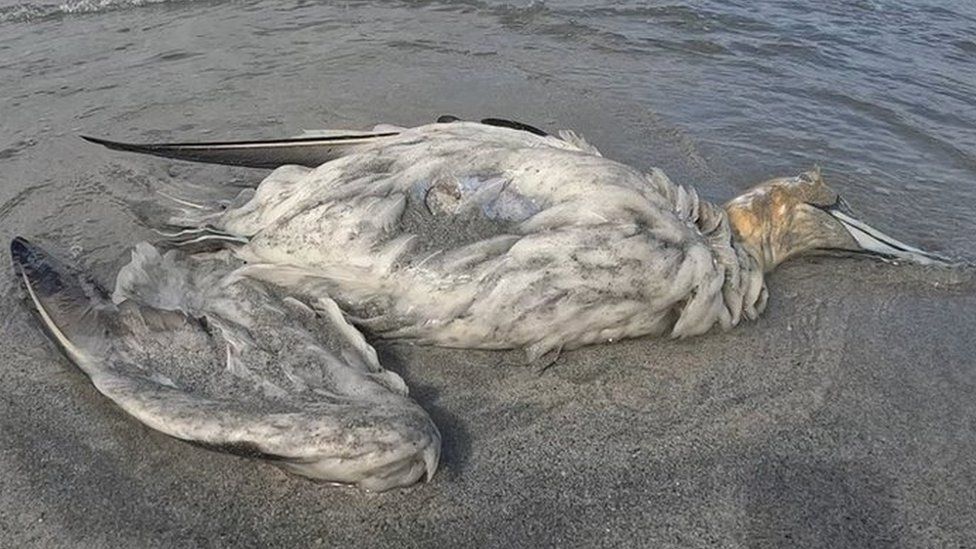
{"points": [[473, 235]]}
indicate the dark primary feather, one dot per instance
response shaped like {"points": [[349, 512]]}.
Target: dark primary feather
{"points": [[272, 153], [303, 151]]}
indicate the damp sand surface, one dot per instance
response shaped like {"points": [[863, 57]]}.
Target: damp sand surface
{"points": [[845, 416]]}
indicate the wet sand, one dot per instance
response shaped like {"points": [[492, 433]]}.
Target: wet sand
{"points": [[844, 417]]}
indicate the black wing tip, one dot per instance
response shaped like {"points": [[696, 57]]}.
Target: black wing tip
{"points": [[97, 140], [41, 271], [497, 122], [514, 125], [21, 251], [115, 145], [19, 242]]}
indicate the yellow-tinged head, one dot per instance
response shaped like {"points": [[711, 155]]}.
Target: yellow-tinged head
{"points": [[788, 216]]}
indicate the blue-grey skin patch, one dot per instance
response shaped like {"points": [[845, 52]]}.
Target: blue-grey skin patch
{"points": [[497, 199], [493, 196], [419, 190]]}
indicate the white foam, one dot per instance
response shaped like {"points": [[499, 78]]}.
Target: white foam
{"points": [[26, 12]]}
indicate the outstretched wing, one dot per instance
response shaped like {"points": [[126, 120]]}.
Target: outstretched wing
{"points": [[343, 418]]}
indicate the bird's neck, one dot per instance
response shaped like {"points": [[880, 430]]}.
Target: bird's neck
{"points": [[744, 289], [751, 220]]}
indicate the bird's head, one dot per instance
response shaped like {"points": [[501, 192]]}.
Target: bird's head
{"points": [[788, 216]]}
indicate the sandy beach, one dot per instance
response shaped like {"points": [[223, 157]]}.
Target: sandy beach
{"points": [[843, 417]]}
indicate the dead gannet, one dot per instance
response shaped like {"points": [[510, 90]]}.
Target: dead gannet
{"points": [[474, 235], [496, 235]]}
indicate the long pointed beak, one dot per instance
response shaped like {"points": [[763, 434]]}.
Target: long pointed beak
{"points": [[875, 242]]}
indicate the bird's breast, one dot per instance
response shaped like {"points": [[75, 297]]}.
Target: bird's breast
{"points": [[491, 246]]}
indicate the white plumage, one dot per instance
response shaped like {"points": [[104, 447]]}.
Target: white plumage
{"points": [[473, 235]]}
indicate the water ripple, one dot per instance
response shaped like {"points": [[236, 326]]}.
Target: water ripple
{"points": [[28, 12]]}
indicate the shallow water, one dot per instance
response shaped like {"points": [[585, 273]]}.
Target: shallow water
{"points": [[721, 94]]}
